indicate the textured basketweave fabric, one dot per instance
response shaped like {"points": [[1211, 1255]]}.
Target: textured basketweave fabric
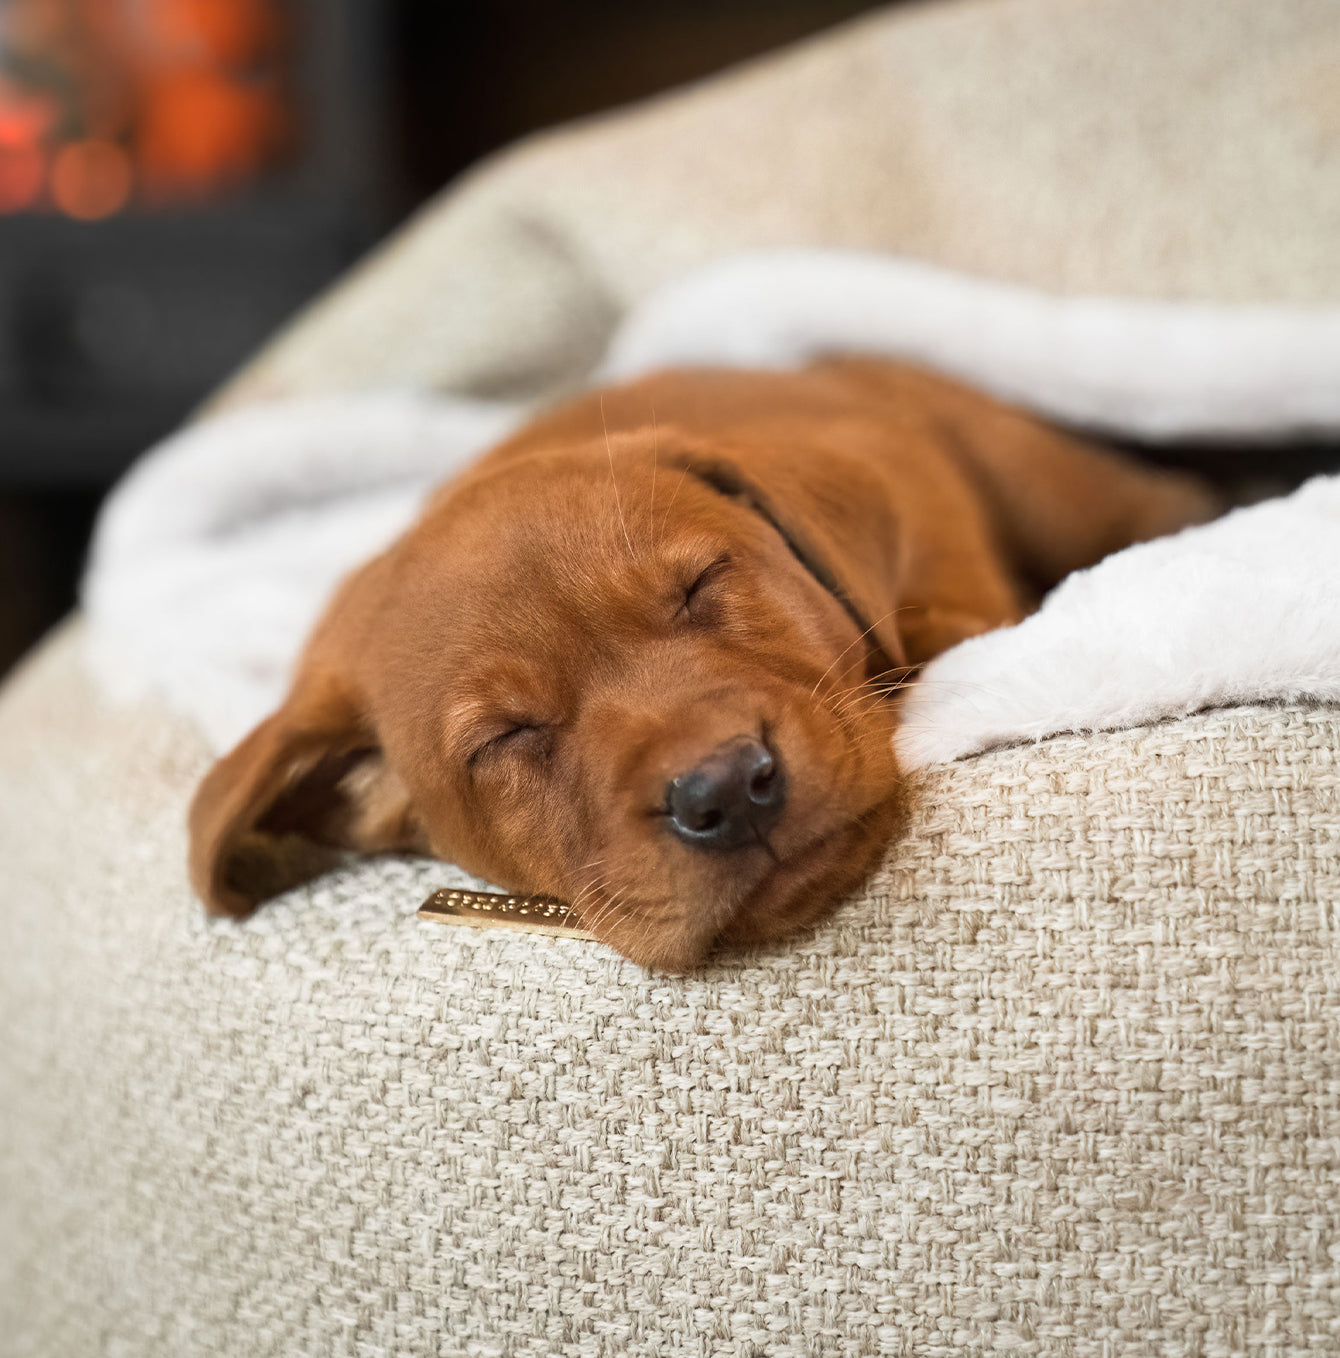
{"points": [[1065, 1079]]}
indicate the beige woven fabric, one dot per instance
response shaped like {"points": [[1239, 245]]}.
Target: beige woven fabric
{"points": [[1065, 1080], [1170, 149]]}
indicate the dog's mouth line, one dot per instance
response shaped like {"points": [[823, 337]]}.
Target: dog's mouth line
{"points": [[620, 910], [633, 908]]}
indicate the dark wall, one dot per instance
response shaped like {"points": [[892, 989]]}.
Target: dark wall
{"points": [[477, 75]]}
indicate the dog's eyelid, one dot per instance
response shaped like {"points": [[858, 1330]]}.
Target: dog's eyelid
{"points": [[510, 730], [708, 573], [706, 576]]}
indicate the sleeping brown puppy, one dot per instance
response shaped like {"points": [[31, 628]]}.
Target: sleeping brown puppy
{"points": [[645, 655]]}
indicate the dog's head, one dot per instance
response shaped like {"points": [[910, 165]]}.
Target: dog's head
{"points": [[645, 675]]}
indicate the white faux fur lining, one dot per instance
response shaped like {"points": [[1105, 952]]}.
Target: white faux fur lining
{"points": [[1243, 610], [1148, 370], [214, 556]]}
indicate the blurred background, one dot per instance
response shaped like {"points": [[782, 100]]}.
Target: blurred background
{"points": [[177, 177]]}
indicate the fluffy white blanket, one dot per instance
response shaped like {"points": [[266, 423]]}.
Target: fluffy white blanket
{"points": [[214, 555]]}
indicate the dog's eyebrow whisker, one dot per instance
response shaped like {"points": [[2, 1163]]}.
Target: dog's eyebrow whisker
{"points": [[655, 467], [665, 518], [614, 480]]}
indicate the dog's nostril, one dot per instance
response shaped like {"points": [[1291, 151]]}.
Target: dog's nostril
{"points": [[729, 799], [763, 783]]}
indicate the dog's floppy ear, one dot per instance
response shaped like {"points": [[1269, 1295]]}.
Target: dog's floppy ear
{"points": [[835, 511], [308, 784]]}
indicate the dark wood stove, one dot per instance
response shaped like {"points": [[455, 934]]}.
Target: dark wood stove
{"points": [[176, 178]]}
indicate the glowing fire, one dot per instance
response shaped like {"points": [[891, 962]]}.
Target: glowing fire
{"points": [[105, 103], [24, 126]]}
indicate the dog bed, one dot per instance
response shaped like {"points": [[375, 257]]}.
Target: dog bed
{"points": [[1060, 1080]]}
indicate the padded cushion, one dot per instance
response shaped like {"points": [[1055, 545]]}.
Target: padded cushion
{"points": [[1062, 1080]]}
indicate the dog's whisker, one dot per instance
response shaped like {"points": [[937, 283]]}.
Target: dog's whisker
{"points": [[852, 643], [866, 701], [856, 705], [586, 894], [855, 641], [856, 712], [614, 480], [651, 922], [869, 688], [592, 922], [855, 702], [882, 694], [604, 909], [935, 681], [866, 688], [610, 911], [879, 684], [596, 924], [849, 667], [589, 891], [619, 908]]}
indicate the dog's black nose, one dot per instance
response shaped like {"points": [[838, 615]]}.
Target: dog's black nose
{"points": [[730, 799]]}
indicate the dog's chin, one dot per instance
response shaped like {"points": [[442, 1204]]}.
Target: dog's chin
{"points": [[789, 897], [803, 891]]}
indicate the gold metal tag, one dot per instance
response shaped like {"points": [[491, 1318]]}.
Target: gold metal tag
{"points": [[491, 910]]}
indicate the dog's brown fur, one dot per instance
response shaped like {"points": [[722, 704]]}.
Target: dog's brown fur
{"points": [[632, 582]]}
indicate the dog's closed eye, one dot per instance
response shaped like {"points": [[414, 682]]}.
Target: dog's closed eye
{"points": [[698, 593], [531, 738]]}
